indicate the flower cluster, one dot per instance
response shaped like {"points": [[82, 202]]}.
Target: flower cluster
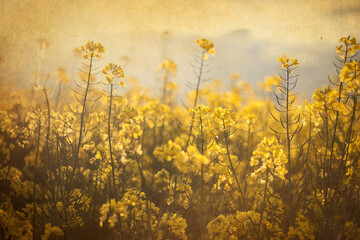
{"points": [[92, 50], [223, 117], [201, 116], [169, 152], [287, 63], [207, 46], [350, 75], [268, 156], [347, 45], [270, 82], [169, 66], [114, 71]]}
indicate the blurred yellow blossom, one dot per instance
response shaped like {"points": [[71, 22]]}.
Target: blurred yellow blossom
{"points": [[169, 66], [270, 82], [91, 50]]}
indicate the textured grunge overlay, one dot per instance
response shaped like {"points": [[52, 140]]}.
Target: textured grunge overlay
{"points": [[179, 120]]}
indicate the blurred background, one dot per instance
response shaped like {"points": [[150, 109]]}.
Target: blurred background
{"points": [[41, 35]]}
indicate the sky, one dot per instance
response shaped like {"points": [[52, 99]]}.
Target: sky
{"points": [[248, 36]]}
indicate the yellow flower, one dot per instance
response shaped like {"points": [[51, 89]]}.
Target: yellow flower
{"points": [[295, 62], [168, 152], [113, 71], [51, 231], [110, 78], [59, 206], [169, 66], [270, 82], [62, 76], [350, 75], [287, 63], [200, 111], [351, 46], [223, 117], [269, 155], [92, 50], [207, 45], [197, 158]]}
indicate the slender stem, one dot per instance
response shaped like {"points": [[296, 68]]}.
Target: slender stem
{"points": [[247, 156], [166, 78], [263, 204], [110, 147], [196, 96], [82, 123], [34, 185], [288, 139], [77, 148], [232, 167]]}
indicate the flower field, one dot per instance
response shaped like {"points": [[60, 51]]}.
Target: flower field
{"points": [[98, 157]]}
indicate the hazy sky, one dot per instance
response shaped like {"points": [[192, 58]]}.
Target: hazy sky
{"points": [[248, 35]]}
